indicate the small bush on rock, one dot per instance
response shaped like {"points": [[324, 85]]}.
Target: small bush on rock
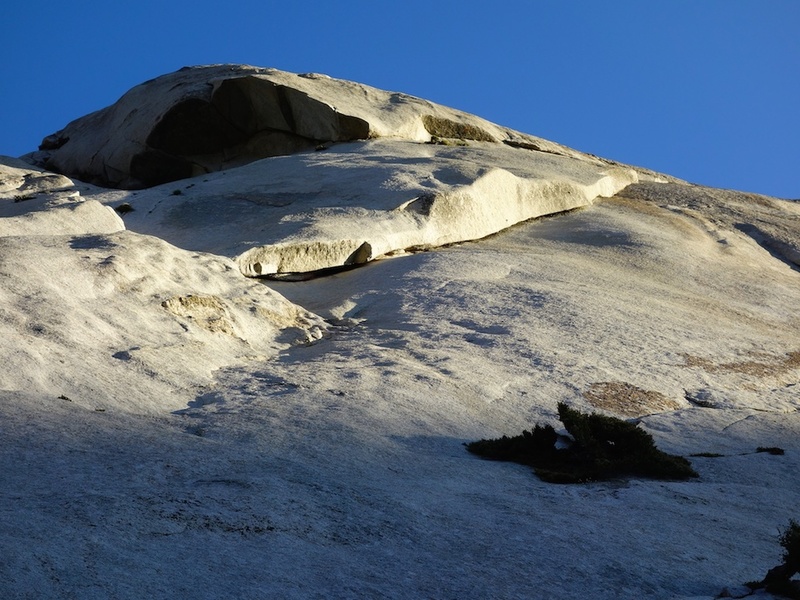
{"points": [[779, 579], [771, 450], [790, 540], [602, 448]]}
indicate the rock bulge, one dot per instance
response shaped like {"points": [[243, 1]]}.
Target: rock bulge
{"points": [[385, 198]]}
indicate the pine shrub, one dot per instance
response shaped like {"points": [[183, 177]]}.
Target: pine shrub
{"points": [[603, 448]]}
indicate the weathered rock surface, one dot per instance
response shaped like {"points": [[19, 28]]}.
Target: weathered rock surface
{"points": [[158, 409], [36, 202], [143, 314], [20, 181], [204, 119], [362, 200], [494, 201], [25, 188], [412, 175], [773, 223], [74, 218]]}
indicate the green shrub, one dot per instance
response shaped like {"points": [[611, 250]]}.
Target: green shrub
{"points": [[603, 448], [790, 541], [771, 450], [779, 580], [527, 448]]}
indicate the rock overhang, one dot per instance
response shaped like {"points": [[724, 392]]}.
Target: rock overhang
{"points": [[415, 174], [205, 119], [356, 202]]}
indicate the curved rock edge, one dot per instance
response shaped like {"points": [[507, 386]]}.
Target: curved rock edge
{"points": [[495, 201]]}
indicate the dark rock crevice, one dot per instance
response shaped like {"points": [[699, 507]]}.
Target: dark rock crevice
{"points": [[245, 119]]}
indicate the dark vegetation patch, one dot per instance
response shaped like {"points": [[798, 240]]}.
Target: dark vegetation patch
{"points": [[790, 541], [601, 448], [779, 579], [774, 450]]}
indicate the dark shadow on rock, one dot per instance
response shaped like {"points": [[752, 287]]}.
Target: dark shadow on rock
{"points": [[91, 242], [781, 250], [245, 119], [201, 401]]}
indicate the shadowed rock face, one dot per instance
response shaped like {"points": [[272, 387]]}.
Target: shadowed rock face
{"points": [[245, 119]]}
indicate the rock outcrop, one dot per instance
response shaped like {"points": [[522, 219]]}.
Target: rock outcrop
{"points": [[363, 200], [20, 180], [36, 202], [79, 289], [154, 402], [404, 173], [204, 119], [493, 202]]}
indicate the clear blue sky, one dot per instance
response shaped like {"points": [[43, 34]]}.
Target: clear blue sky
{"points": [[706, 90]]}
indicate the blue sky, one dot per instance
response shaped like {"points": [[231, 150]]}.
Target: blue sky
{"points": [[706, 90]]}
